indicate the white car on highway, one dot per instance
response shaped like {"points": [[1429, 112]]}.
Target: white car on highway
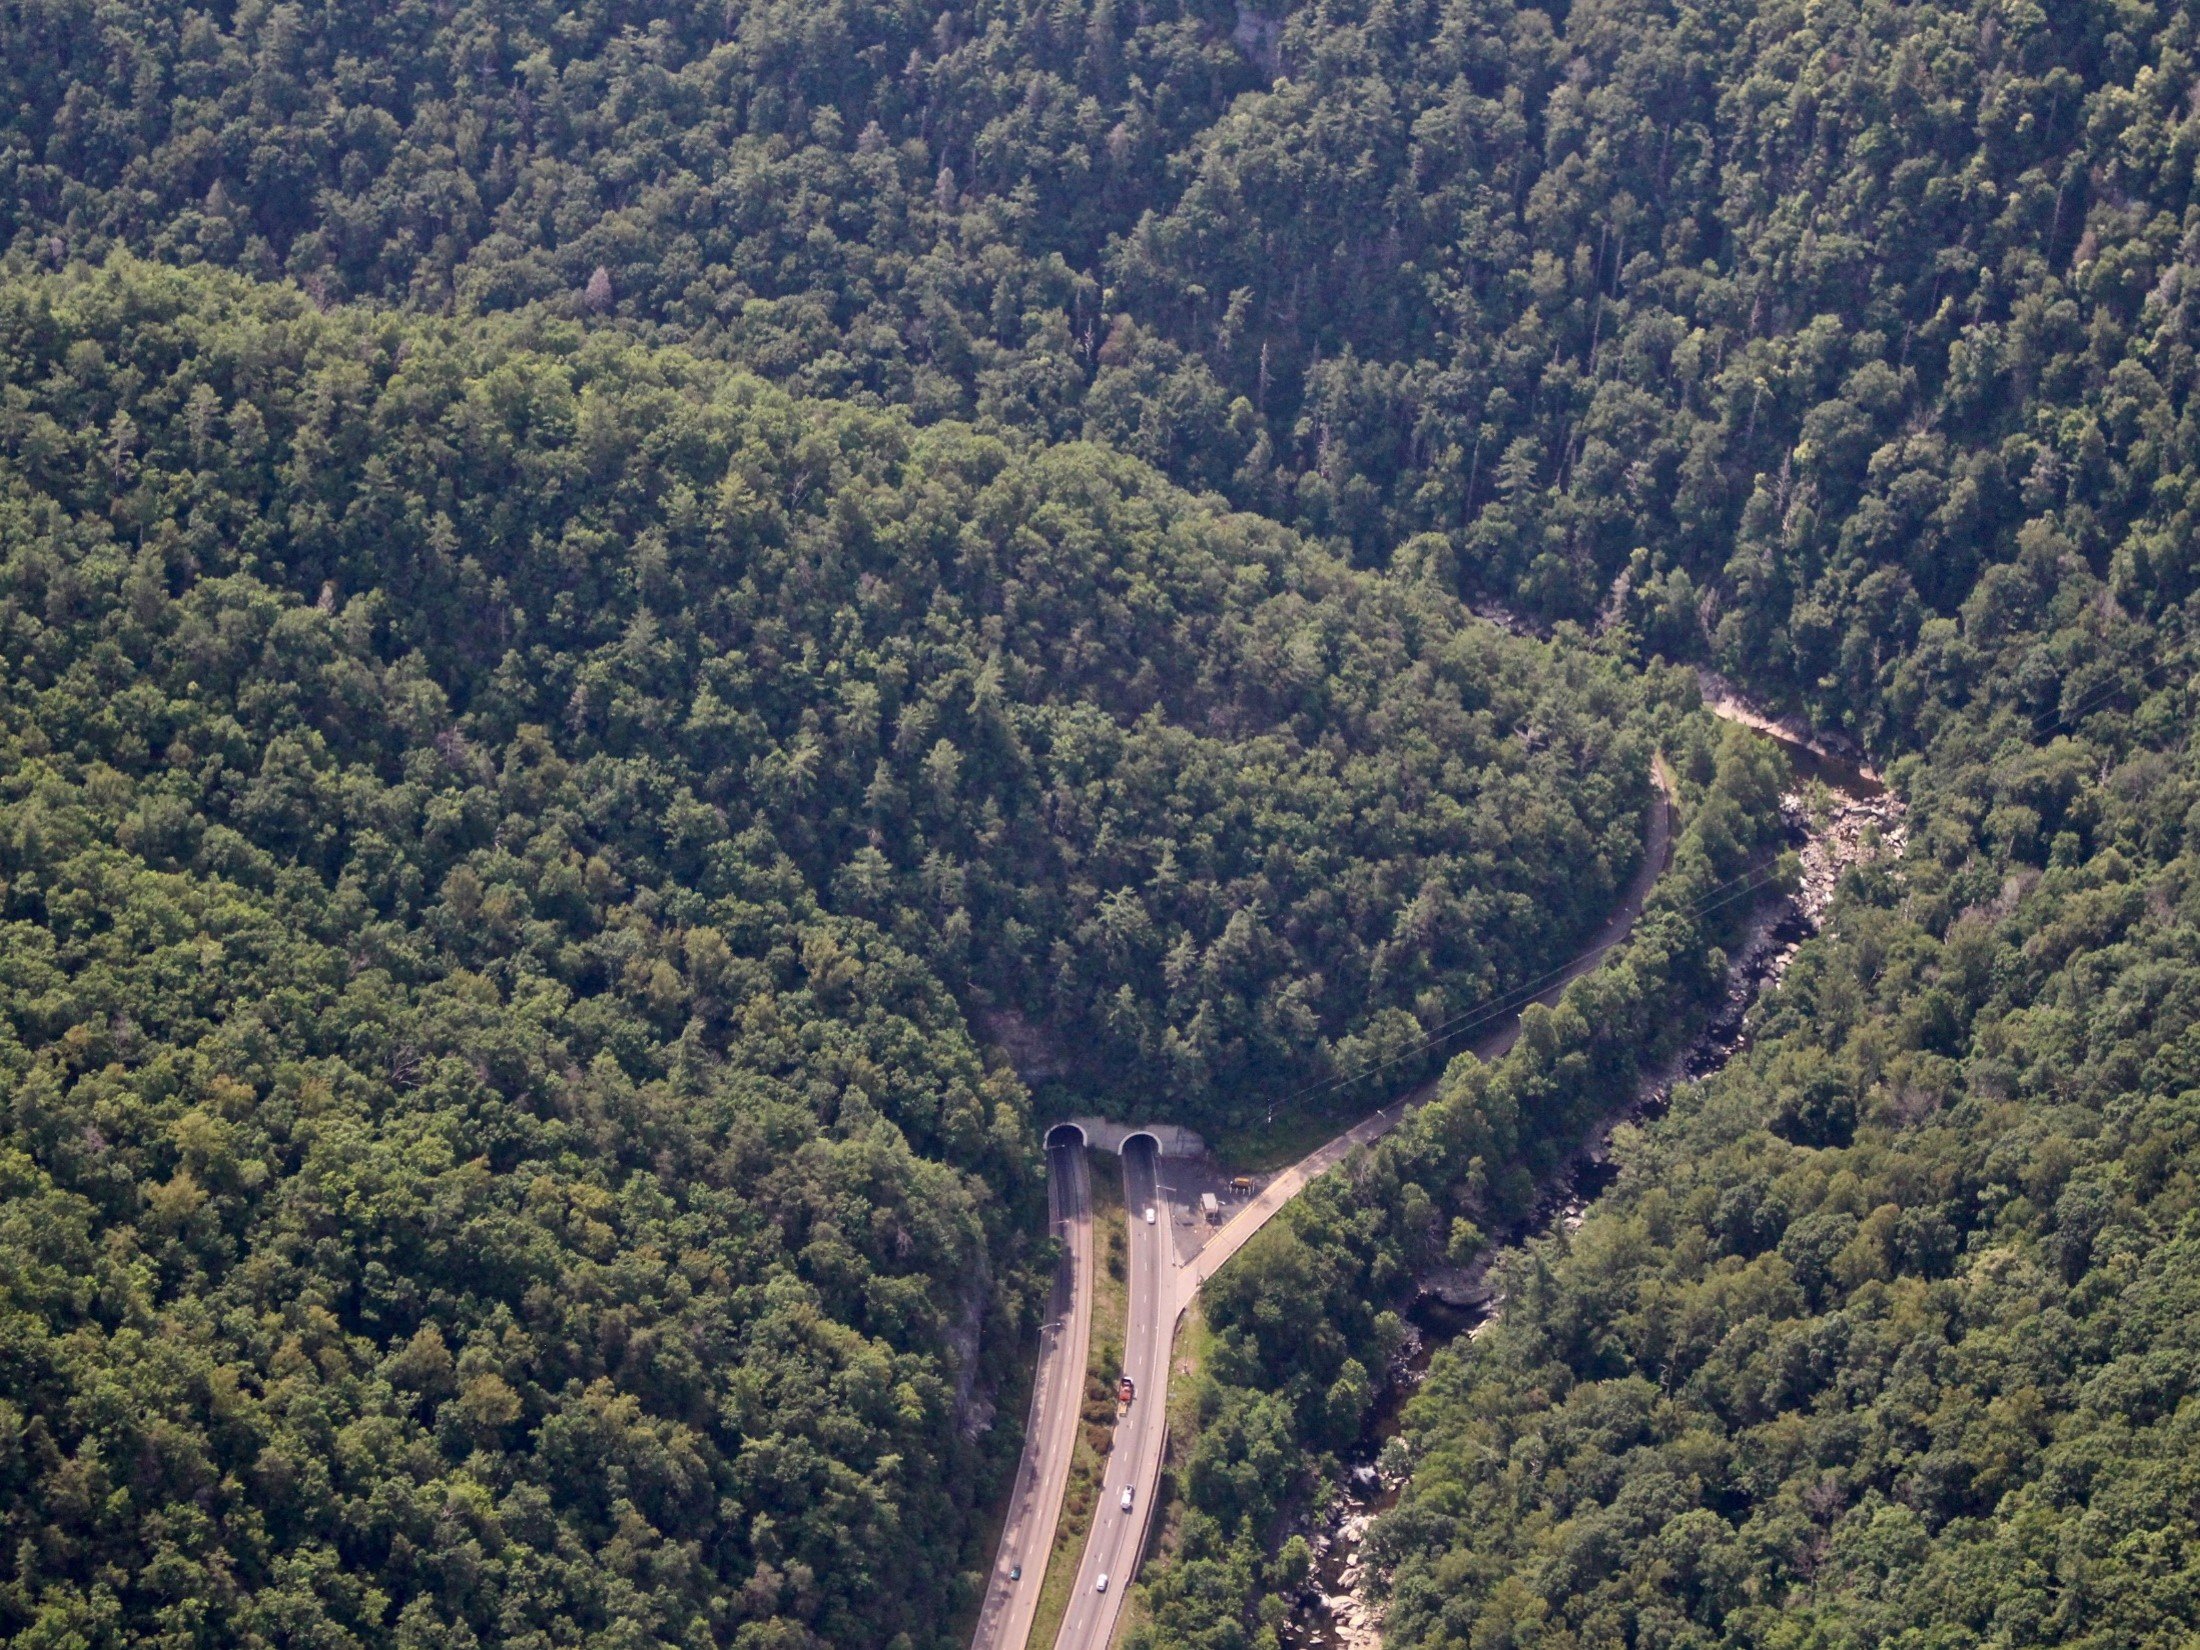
{"points": [[1101, 1585], [1149, 1214], [1126, 1498]]}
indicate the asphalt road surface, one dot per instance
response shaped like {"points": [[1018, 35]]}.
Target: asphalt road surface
{"points": [[1490, 1045], [1050, 1433], [1159, 1288], [1135, 1462]]}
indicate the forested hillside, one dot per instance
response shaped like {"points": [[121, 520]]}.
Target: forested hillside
{"points": [[1774, 322], [1306, 1324], [501, 831], [1886, 1335], [560, 694], [1198, 800], [1881, 1338]]}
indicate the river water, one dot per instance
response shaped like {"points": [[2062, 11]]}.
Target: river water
{"points": [[1838, 814]]}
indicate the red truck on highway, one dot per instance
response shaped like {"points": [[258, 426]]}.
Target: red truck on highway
{"points": [[1125, 1391]]}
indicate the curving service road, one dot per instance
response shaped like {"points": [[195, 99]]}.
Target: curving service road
{"points": [[1258, 1211], [1159, 1291], [1057, 1394]]}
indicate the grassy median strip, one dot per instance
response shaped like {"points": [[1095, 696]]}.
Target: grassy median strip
{"points": [[1186, 1368], [1096, 1428], [1185, 1383]]}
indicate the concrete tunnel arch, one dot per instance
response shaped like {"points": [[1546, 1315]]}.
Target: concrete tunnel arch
{"points": [[1113, 1138], [1103, 1134]]}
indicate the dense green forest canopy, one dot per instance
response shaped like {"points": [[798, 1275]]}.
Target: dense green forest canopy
{"points": [[1163, 780], [1306, 1326], [1886, 1336], [1763, 326], [501, 830], [1881, 1338], [455, 758]]}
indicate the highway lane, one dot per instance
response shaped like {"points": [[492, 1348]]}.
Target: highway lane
{"points": [[1057, 1395], [1159, 1288], [1118, 1536]]}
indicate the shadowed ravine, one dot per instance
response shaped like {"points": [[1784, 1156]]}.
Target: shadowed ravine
{"points": [[1335, 1609]]}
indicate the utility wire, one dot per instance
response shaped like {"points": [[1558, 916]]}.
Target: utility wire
{"points": [[1720, 894], [1519, 996]]}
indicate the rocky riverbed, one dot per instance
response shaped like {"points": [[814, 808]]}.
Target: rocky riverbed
{"points": [[1838, 817]]}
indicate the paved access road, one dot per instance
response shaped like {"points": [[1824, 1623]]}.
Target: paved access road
{"points": [[1160, 1289], [1057, 1394], [1112, 1550], [1493, 1043]]}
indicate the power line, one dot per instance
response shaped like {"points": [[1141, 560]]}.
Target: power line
{"points": [[1710, 899], [2063, 717], [1520, 996]]}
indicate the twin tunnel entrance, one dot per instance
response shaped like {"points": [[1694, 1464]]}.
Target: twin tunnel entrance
{"points": [[1131, 1472], [1141, 1151], [1118, 1139], [1104, 1134]]}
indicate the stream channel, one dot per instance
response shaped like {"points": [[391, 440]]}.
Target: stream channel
{"points": [[1838, 814]]}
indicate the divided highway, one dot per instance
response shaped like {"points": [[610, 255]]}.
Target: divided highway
{"points": [[1160, 1289], [1057, 1395], [1134, 1465]]}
